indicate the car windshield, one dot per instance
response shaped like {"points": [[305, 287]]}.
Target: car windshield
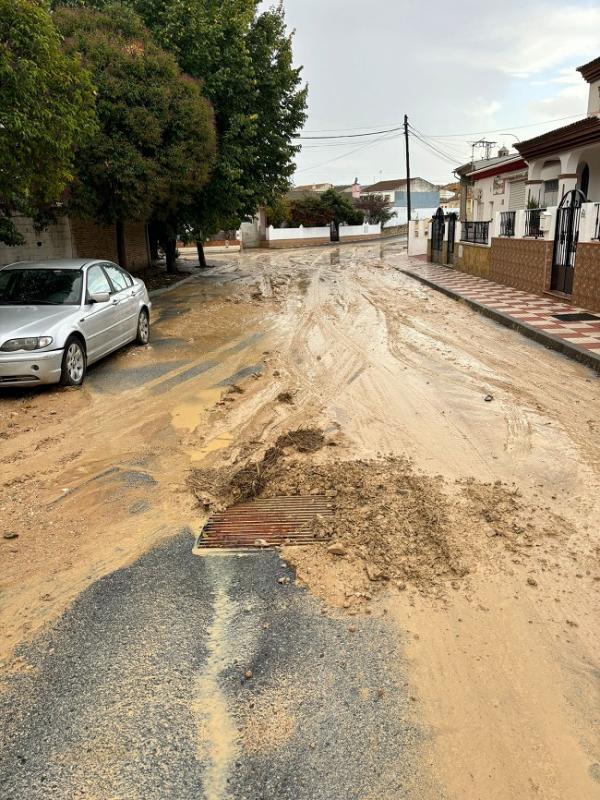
{"points": [[54, 287]]}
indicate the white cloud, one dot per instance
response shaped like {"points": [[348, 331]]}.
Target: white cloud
{"points": [[569, 101], [529, 39], [484, 110], [454, 68]]}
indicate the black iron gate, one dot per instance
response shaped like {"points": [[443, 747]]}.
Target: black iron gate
{"points": [[437, 236], [451, 237], [565, 241]]}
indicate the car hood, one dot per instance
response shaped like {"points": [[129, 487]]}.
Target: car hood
{"points": [[20, 321]]}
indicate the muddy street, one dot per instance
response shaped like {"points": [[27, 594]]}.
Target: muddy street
{"points": [[448, 648]]}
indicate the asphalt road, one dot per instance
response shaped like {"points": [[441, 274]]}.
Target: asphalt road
{"points": [[143, 690]]}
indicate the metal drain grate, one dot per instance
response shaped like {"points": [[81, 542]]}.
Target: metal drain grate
{"points": [[580, 316], [268, 522]]}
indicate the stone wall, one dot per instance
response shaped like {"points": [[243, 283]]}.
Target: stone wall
{"points": [[54, 242], [473, 258], [523, 263], [586, 284]]}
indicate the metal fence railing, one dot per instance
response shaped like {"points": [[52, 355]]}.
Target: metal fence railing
{"points": [[475, 232], [507, 223], [533, 218]]}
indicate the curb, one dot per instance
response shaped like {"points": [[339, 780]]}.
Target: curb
{"points": [[546, 339], [171, 286]]}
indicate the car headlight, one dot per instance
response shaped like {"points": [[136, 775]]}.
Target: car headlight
{"points": [[31, 343]]}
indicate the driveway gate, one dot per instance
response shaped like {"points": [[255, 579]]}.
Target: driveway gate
{"points": [[437, 236], [565, 241]]}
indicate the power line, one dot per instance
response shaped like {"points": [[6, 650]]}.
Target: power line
{"points": [[430, 135], [358, 128], [344, 155], [450, 151], [431, 151], [503, 129], [351, 135], [440, 153]]}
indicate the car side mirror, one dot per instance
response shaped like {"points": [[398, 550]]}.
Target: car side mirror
{"points": [[99, 297]]}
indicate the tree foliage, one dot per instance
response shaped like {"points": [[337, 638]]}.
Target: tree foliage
{"points": [[155, 144], [376, 208], [46, 109], [314, 210], [245, 61]]}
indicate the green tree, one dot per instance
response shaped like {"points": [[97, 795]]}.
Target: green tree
{"points": [[155, 143], [46, 110], [341, 209], [245, 61], [376, 208], [279, 212], [318, 210]]}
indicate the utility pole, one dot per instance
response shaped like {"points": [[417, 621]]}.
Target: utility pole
{"points": [[408, 209]]}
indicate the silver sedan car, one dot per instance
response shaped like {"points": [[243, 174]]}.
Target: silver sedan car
{"points": [[56, 317]]}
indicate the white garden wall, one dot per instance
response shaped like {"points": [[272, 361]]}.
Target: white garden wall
{"points": [[287, 234]]}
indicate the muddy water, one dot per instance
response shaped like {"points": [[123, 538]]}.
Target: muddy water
{"points": [[92, 478]]}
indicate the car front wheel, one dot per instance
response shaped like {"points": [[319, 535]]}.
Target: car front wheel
{"points": [[143, 328], [73, 363]]}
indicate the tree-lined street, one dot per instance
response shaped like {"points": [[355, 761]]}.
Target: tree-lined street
{"points": [[134, 666]]}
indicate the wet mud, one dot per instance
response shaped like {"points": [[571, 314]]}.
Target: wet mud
{"points": [[343, 343]]}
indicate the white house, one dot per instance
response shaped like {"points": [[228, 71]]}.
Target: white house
{"points": [[536, 217], [424, 197]]}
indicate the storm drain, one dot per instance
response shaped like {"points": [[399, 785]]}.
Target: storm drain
{"points": [[579, 316], [268, 522]]}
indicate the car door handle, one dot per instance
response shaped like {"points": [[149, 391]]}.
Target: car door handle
{"points": [[116, 302]]}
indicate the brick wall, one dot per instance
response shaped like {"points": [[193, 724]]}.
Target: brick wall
{"points": [[586, 284], [473, 259], [91, 240]]}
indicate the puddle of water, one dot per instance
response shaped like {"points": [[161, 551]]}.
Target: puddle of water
{"points": [[220, 442], [188, 414]]}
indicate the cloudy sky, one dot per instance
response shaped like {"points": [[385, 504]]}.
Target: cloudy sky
{"points": [[458, 69]]}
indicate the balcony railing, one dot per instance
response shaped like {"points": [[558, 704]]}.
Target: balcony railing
{"points": [[475, 232], [596, 233], [533, 219], [507, 223]]}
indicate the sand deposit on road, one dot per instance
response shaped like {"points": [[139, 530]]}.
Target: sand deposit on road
{"points": [[472, 523]]}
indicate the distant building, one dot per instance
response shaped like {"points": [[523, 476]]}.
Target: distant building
{"points": [[308, 189], [424, 197]]}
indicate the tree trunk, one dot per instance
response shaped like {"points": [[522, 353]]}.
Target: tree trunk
{"points": [[121, 245], [170, 248], [153, 239], [201, 257]]}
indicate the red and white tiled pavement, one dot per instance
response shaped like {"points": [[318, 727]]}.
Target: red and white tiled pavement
{"points": [[533, 311]]}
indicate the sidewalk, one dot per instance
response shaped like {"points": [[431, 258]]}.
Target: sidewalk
{"points": [[573, 331]]}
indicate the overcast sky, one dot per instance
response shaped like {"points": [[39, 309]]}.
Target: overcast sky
{"points": [[455, 68]]}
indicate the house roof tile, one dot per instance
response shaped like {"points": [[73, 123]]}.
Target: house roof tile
{"points": [[584, 131]]}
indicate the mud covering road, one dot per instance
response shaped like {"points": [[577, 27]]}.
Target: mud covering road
{"points": [[457, 659]]}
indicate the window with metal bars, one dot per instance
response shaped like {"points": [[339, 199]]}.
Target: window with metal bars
{"points": [[507, 223], [475, 232]]}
